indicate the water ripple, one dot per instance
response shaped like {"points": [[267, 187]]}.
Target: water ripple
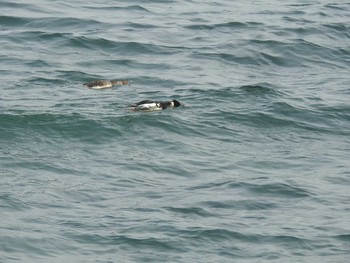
{"points": [[253, 166]]}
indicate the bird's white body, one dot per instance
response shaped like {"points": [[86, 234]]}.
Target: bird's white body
{"points": [[148, 105]]}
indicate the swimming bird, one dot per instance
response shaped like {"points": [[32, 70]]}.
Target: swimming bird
{"points": [[104, 84], [149, 105]]}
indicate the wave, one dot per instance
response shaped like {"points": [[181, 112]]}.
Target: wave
{"points": [[233, 25], [50, 24], [267, 105], [138, 8], [262, 138], [12, 21], [57, 125]]}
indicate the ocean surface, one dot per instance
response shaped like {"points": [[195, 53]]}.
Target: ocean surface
{"points": [[253, 168]]}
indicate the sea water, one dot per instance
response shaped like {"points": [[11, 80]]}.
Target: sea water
{"points": [[253, 168]]}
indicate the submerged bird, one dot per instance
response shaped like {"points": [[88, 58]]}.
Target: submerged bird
{"points": [[104, 84], [149, 105]]}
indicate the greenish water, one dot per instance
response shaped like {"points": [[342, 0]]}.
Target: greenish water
{"points": [[254, 167]]}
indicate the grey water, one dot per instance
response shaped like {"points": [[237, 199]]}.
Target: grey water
{"points": [[253, 168]]}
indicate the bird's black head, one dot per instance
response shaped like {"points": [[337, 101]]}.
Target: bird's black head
{"points": [[176, 103]]}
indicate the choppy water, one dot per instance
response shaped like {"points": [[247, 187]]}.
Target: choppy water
{"points": [[254, 167]]}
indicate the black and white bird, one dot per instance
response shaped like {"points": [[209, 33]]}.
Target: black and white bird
{"points": [[149, 105], [105, 84]]}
